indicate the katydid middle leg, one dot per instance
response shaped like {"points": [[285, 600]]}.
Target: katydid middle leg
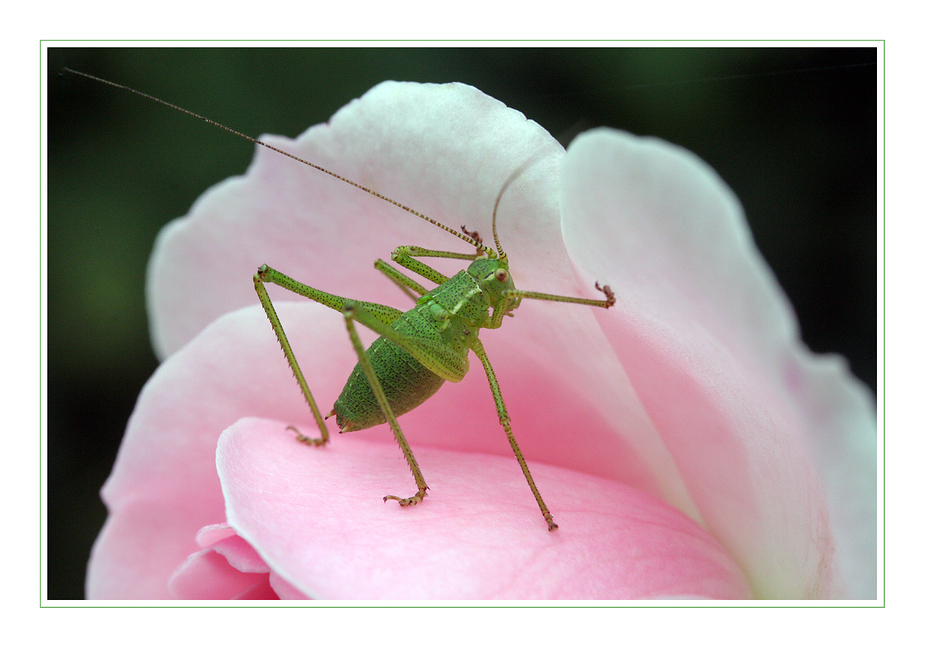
{"points": [[352, 311]]}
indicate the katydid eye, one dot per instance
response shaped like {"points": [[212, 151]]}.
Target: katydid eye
{"points": [[501, 275]]}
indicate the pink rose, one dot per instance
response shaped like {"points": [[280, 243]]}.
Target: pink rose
{"points": [[685, 440]]}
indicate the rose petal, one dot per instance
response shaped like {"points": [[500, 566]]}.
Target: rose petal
{"points": [[327, 234], [714, 391], [229, 569], [444, 150], [164, 488], [711, 347], [317, 517]]}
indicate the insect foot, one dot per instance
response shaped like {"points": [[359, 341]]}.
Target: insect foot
{"points": [[301, 438], [474, 235], [408, 501], [608, 293]]}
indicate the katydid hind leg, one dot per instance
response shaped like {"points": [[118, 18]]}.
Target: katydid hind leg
{"points": [[264, 275], [270, 311]]}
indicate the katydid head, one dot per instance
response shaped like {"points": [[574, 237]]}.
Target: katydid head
{"points": [[492, 272], [495, 278]]}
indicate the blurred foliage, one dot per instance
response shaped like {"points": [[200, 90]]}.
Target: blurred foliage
{"points": [[792, 131]]}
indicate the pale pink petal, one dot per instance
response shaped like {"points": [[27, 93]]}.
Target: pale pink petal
{"points": [[718, 412], [317, 517], [443, 150], [711, 347], [327, 234], [228, 568], [164, 488], [222, 571]]}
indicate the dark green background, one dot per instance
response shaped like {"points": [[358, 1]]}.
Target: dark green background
{"points": [[792, 131]]}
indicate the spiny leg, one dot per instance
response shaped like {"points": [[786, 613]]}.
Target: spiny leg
{"points": [[378, 318], [512, 298], [409, 286], [509, 298], [266, 274], [404, 255], [381, 312], [290, 358], [505, 420], [407, 256], [350, 314]]}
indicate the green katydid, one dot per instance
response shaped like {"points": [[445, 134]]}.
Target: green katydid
{"points": [[419, 349]]}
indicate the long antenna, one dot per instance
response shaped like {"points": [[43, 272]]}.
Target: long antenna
{"points": [[483, 248], [494, 215]]}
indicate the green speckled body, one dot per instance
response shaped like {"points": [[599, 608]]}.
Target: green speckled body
{"points": [[450, 316]]}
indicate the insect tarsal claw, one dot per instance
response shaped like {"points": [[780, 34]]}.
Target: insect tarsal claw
{"points": [[417, 498], [474, 235], [608, 293], [301, 438]]}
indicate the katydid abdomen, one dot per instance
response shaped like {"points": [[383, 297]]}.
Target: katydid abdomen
{"points": [[407, 384], [406, 381]]}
